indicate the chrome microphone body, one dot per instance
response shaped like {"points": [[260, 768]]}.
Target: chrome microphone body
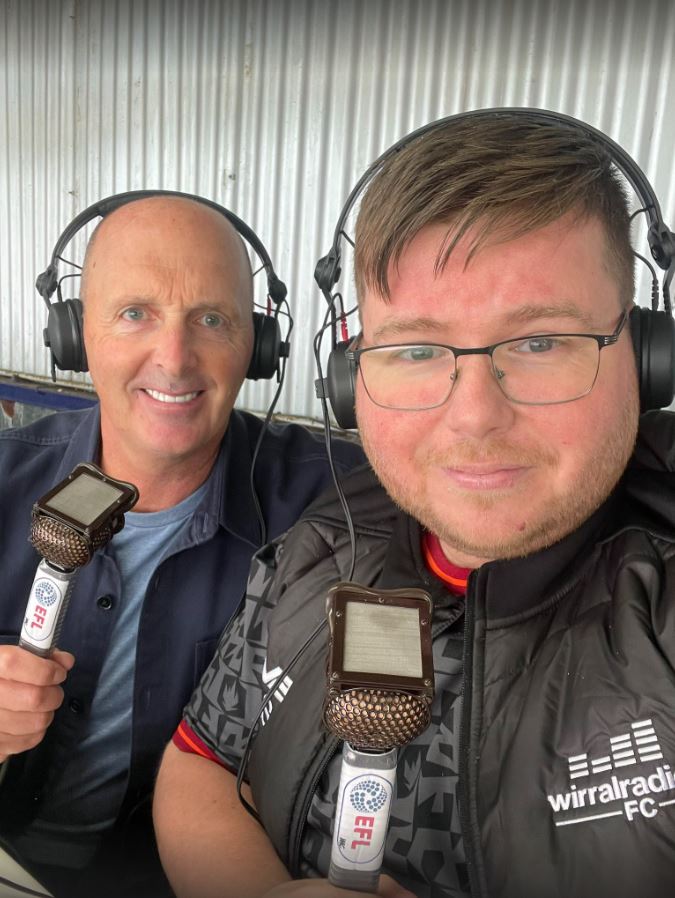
{"points": [[46, 608], [365, 794]]}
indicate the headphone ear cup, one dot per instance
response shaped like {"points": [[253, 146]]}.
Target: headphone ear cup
{"points": [[653, 335], [340, 386], [266, 347], [63, 335]]}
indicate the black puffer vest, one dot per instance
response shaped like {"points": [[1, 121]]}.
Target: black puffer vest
{"points": [[567, 762]]}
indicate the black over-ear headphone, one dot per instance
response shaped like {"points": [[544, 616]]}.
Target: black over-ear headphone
{"points": [[63, 334], [653, 331]]}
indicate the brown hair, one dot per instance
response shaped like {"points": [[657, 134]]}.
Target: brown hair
{"points": [[500, 176]]}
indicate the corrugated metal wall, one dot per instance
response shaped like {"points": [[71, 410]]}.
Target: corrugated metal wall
{"points": [[275, 108]]}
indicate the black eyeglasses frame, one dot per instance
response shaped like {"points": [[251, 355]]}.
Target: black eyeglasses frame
{"points": [[353, 356]]}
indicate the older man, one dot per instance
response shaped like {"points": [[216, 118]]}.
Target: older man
{"points": [[168, 328], [498, 402]]}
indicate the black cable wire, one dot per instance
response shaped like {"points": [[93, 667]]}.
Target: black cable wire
{"points": [[266, 701], [655, 281], [329, 323], [277, 311], [63, 278], [655, 291], [268, 417], [639, 211], [349, 240], [68, 262]]}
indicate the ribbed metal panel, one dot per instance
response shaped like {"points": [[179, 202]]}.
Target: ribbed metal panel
{"points": [[275, 108]]}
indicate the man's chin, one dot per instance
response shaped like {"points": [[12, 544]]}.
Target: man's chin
{"points": [[493, 525], [479, 546], [170, 449], [476, 551]]}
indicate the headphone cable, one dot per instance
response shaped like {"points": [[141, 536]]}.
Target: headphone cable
{"points": [[329, 322], [265, 703], [268, 417]]}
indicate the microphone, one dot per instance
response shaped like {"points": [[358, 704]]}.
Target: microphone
{"points": [[380, 689], [69, 523]]}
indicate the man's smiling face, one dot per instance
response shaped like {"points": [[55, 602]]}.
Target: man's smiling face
{"points": [[168, 330], [492, 478]]}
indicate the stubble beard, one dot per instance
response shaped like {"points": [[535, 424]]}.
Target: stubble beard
{"points": [[593, 485]]}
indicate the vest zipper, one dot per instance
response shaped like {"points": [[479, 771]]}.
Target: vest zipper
{"points": [[299, 819], [466, 785]]}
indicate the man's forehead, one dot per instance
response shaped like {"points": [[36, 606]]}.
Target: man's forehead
{"points": [[451, 244], [169, 233], [156, 222], [146, 248], [394, 322], [544, 264], [143, 259]]}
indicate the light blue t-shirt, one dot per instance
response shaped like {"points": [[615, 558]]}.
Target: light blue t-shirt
{"points": [[91, 787]]}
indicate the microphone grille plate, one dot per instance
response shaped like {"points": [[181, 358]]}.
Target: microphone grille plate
{"points": [[375, 719], [63, 546]]}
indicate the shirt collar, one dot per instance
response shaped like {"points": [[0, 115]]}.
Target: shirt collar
{"points": [[84, 444], [404, 564], [228, 501]]}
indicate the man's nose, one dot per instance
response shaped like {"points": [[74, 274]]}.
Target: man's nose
{"points": [[477, 405], [174, 349]]}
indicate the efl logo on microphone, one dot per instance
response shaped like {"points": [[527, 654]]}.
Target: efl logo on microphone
{"points": [[46, 593], [363, 816], [41, 612], [368, 796]]}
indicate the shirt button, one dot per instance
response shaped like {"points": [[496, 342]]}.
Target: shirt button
{"points": [[105, 602], [75, 705]]}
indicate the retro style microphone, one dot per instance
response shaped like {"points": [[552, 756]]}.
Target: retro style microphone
{"points": [[379, 692], [69, 523]]}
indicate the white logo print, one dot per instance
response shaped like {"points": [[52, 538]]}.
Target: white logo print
{"points": [[617, 796], [269, 678]]}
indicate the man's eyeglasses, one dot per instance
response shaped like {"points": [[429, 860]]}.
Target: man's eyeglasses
{"points": [[542, 369]]}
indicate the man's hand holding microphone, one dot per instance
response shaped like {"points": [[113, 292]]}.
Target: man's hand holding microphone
{"points": [[30, 693], [69, 523]]}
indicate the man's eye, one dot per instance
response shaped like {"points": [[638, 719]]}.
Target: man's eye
{"points": [[133, 314], [212, 320], [418, 353], [538, 345]]}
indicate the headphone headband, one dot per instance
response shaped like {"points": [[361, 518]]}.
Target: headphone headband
{"points": [[46, 282], [661, 239]]}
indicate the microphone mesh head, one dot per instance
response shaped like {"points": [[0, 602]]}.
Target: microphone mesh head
{"points": [[63, 546], [374, 719]]}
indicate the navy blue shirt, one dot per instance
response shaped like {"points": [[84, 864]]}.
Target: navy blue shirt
{"points": [[191, 596]]}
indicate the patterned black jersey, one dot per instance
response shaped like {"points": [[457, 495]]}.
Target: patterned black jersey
{"points": [[424, 850]]}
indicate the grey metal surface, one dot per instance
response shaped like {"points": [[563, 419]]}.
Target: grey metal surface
{"points": [[275, 107]]}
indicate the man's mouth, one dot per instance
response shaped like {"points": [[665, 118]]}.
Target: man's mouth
{"points": [[480, 477], [172, 397]]}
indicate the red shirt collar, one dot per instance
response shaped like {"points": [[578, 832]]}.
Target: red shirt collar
{"points": [[454, 577]]}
